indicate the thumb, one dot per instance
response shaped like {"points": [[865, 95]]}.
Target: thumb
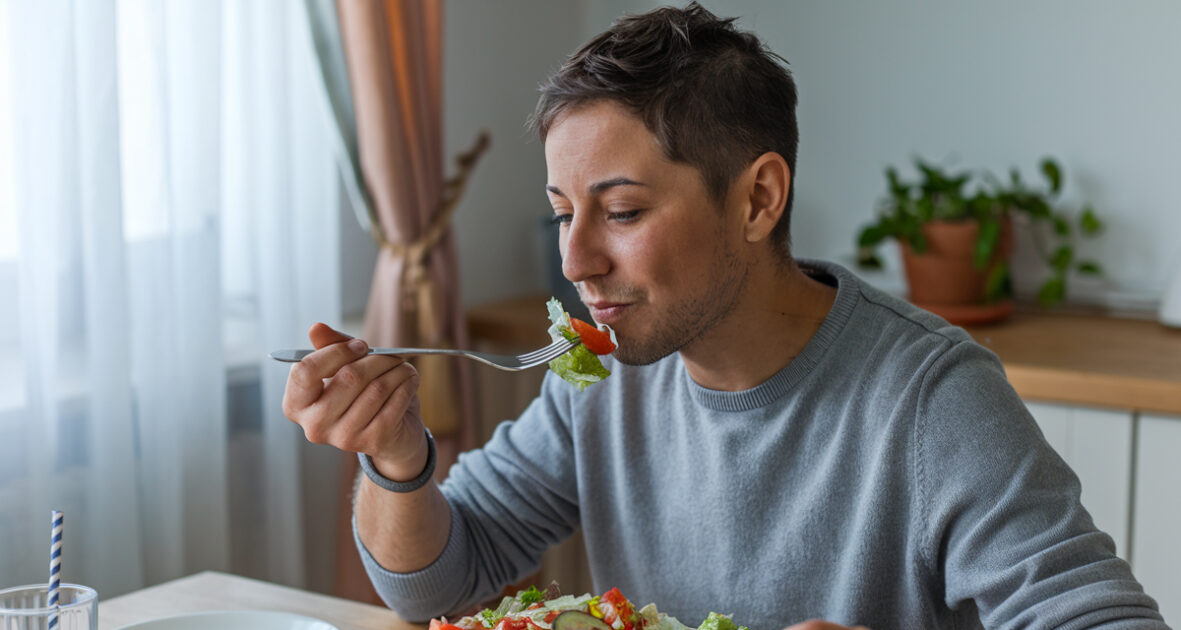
{"points": [[322, 335]]}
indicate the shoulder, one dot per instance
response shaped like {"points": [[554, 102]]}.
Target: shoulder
{"points": [[885, 338], [866, 305], [919, 369]]}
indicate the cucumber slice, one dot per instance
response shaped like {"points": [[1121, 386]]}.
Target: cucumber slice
{"points": [[578, 620]]}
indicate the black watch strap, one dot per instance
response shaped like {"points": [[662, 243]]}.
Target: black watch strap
{"points": [[402, 486]]}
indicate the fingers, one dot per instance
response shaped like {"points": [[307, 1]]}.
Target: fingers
{"points": [[305, 383], [348, 383], [342, 396], [322, 335], [376, 411]]}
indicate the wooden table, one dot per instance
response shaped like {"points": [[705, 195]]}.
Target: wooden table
{"points": [[210, 591]]}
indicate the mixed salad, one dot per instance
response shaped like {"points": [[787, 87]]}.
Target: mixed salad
{"points": [[549, 610], [581, 366]]}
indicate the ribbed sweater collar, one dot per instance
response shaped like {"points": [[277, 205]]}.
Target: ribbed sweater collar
{"points": [[784, 380]]}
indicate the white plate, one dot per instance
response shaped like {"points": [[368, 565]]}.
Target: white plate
{"points": [[234, 620]]}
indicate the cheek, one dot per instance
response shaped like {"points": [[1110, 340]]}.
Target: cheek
{"points": [[641, 256], [666, 259]]}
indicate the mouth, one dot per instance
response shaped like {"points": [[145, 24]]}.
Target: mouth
{"points": [[608, 312]]}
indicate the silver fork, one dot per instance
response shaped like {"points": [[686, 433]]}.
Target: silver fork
{"points": [[508, 362]]}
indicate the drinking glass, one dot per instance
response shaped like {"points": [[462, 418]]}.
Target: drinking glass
{"points": [[26, 608]]}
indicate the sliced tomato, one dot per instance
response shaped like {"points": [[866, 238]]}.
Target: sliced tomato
{"points": [[513, 623], [441, 624], [618, 612], [594, 339]]}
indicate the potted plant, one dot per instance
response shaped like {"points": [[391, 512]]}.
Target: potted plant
{"points": [[956, 233]]}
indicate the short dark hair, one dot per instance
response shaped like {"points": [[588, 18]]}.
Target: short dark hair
{"points": [[715, 97]]}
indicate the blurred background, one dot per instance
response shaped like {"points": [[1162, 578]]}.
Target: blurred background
{"points": [[181, 190], [990, 86]]}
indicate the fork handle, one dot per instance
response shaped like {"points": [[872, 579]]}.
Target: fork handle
{"points": [[295, 356]]}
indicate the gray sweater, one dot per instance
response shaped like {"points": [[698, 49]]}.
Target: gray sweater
{"points": [[889, 476]]}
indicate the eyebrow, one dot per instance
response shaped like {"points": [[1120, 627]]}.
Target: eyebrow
{"points": [[598, 187]]}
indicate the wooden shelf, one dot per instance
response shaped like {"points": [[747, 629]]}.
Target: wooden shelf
{"points": [[1081, 359]]}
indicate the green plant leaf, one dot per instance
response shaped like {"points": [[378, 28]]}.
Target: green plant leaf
{"points": [[931, 173], [871, 236], [1037, 207], [1089, 267], [1060, 261], [1053, 174], [997, 285], [980, 206], [925, 209], [918, 242], [986, 239], [1052, 292], [1090, 223], [1061, 226], [898, 190]]}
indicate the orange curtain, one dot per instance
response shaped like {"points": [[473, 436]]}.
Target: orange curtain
{"points": [[393, 50]]}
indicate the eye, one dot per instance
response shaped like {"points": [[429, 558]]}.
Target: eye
{"points": [[561, 219], [624, 216]]}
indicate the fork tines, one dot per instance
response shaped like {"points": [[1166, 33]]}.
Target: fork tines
{"points": [[548, 353]]}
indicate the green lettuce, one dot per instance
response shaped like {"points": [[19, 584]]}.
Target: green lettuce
{"points": [[580, 367], [530, 596], [717, 621]]}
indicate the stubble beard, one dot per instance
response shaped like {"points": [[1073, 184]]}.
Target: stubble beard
{"points": [[690, 319]]}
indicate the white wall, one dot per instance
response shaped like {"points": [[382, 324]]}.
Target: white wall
{"points": [[1096, 84]]}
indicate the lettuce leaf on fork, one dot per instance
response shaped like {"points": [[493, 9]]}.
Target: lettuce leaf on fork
{"points": [[580, 367]]}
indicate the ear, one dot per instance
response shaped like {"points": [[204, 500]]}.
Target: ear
{"points": [[768, 180]]}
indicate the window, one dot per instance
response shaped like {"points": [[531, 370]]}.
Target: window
{"points": [[8, 227]]}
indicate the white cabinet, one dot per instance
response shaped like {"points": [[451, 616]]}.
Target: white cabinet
{"points": [[1156, 520], [1097, 444], [1130, 468]]}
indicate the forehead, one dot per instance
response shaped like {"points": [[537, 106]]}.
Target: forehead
{"points": [[602, 136]]}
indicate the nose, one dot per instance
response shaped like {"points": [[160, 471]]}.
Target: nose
{"points": [[583, 249]]}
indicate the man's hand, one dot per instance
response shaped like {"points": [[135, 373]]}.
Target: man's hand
{"points": [[816, 624], [342, 396]]}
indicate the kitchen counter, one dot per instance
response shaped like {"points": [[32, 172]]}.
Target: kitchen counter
{"points": [[1089, 359], [1073, 358]]}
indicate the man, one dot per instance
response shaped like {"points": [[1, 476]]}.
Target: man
{"points": [[778, 441]]}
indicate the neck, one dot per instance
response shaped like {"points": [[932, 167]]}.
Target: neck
{"points": [[780, 310]]}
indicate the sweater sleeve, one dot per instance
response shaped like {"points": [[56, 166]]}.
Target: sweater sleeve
{"points": [[1003, 525], [510, 501]]}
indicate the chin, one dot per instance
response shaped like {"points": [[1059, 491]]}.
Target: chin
{"points": [[630, 354]]}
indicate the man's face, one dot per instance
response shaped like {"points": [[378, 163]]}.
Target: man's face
{"points": [[652, 255]]}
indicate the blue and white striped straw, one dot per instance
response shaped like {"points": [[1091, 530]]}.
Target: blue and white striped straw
{"points": [[55, 567]]}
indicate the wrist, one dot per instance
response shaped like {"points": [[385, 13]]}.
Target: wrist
{"points": [[406, 468], [405, 476]]}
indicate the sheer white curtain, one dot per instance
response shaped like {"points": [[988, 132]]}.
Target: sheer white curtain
{"points": [[166, 170]]}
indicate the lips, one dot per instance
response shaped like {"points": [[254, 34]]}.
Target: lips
{"points": [[608, 312]]}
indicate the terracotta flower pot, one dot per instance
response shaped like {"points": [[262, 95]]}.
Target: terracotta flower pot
{"points": [[945, 280]]}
